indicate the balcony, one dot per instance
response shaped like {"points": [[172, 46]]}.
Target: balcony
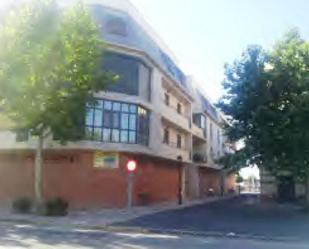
{"points": [[172, 151], [199, 155], [199, 158], [171, 114], [198, 132]]}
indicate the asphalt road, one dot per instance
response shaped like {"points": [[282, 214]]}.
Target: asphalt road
{"points": [[242, 216], [14, 236]]}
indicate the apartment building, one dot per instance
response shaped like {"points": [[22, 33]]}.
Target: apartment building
{"points": [[154, 114]]}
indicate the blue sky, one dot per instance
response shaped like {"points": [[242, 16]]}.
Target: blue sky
{"points": [[204, 34]]}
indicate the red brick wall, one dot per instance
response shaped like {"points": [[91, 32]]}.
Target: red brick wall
{"points": [[230, 182], [16, 177], [73, 177], [158, 178], [209, 179]]}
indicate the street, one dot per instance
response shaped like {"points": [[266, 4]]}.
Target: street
{"points": [[16, 236], [243, 215]]}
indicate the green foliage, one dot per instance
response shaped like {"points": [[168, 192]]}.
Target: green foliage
{"points": [[49, 68], [56, 207], [22, 205], [239, 178], [267, 100]]}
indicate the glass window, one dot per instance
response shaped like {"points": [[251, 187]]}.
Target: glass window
{"points": [[107, 121], [107, 105], [99, 104], [97, 134], [124, 136], [124, 121], [22, 135], [125, 107], [106, 135], [132, 122], [116, 106], [166, 136], [98, 117], [132, 137], [89, 117], [179, 108], [127, 68], [115, 135], [117, 122], [88, 133], [133, 108]]}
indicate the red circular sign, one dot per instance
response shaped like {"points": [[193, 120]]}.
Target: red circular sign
{"points": [[131, 165]]}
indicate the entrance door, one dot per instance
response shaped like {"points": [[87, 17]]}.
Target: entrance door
{"points": [[286, 189]]}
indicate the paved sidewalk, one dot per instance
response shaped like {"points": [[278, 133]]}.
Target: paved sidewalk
{"points": [[99, 219]]}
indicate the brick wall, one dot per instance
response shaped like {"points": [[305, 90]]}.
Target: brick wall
{"points": [[73, 177], [16, 177], [230, 182], [209, 179]]}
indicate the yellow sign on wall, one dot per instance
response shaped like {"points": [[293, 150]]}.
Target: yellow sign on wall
{"points": [[106, 160]]}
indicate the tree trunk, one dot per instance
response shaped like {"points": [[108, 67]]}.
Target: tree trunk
{"points": [[38, 170]]}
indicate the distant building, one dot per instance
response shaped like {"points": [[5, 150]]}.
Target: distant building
{"points": [[153, 114]]}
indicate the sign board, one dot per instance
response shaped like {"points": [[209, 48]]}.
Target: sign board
{"points": [[105, 160]]}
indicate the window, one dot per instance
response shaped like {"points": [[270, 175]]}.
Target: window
{"points": [[179, 108], [166, 136], [117, 122], [201, 121], [167, 99], [132, 73], [22, 136], [179, 142], [218, 136]]}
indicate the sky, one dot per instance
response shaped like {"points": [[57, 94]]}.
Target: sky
{"points": [[206, 34]]}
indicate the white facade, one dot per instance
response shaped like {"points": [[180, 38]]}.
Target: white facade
{"points": [[185, 137]]}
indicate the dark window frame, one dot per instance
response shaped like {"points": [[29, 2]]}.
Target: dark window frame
{"points": [[166, 136], [179, 108], [134, 112], [131, 59]]}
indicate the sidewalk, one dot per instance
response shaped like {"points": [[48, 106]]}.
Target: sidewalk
{"points": [[98, 219]]}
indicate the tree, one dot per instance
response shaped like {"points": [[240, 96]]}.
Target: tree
{"points": [[49, 69], [267, 101]]}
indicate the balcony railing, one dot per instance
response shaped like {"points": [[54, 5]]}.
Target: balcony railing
{"points": [[176, 110], [199, 158], [175, 146]]}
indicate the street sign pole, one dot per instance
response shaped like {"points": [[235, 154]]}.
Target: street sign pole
{"points": [[131, 167], [130, 189]]}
